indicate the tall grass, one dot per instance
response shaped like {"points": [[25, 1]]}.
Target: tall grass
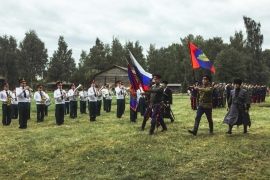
{"points": [[116, 149]]}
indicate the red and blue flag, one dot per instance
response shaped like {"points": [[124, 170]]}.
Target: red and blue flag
{"points": [[133, 89], [199, 59]]}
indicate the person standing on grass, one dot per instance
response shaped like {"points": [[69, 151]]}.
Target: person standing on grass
{"points": [[40, 98], [5, 97], [23, 94], [59, 96], [238, 106], [14, 105], [92, 97], [204, 105], [148, 109], [167, 99], [156, 93], [120, 98]]}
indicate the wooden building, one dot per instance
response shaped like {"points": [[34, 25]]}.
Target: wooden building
{"points": [[111, 75], [51, 86], [2, 81]]}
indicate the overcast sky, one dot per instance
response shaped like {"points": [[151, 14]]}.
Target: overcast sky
{"points": [[156, 22]]}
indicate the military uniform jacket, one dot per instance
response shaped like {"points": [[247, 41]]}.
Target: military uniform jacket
{"points": [[167, 96], [156, 94], [237, 107], [204, 97]]}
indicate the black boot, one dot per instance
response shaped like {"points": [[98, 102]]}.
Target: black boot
{"points": [[195, 129], [163, 125], [152, 128], [211, 128], [143, 124], [245, 129], [229, 130]]}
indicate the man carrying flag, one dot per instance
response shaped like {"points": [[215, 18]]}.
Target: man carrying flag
{"points": [[133, 94]]}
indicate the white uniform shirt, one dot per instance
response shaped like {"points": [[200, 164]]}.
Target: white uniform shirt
{"points": [[99, 95], [57, 96], [119, 93], [20, 95], [38, 97], [83, 95], [14, 99], [71, 96], [91, 94], [3, 96]]}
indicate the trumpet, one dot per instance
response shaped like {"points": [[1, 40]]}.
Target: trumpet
{"points": [[28, 88]]}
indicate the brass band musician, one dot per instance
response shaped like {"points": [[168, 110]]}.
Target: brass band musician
{"points": [[14, 105], [40, 97], [83, 99], [6, 98], [23, 93]]}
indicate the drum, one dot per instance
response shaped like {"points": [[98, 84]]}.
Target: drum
{"points": [[48, 102]]}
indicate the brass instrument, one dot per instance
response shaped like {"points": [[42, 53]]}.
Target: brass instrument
{"points": [[28, 88], [9, 99], [43, 98], [75, 92]]}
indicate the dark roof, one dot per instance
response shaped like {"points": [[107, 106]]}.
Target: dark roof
{"points": [[123, 68], [2, 77], [63, 82]]}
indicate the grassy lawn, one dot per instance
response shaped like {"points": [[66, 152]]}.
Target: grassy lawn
{"points": [[116, 149]]}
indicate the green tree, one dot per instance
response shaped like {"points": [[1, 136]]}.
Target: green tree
{"points": [[254, 45], [62, 65], [238, 41], [230, 64], [33, 57], [98, 56], [8, 60], [117, 53]]}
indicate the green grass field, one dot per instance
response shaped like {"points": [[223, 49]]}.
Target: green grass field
{"points": [[116, 149]]}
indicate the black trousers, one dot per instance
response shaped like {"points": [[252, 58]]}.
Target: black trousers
{"points": [[99, 104], [83, 107], [93, 110], [28, 112], [133, 115], [120, 108], [59, 113], [14, 111], [142, 106], [104, 104], [6, 114], [66, 107], [23, 114], [73, 109], [45, 110], [108, 105], [40, 112]]}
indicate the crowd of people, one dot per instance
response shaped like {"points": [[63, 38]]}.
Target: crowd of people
{"points": [[236, 97], [154, 103]]}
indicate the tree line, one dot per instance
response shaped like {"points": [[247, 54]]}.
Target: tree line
{"points": [[241, 58]]}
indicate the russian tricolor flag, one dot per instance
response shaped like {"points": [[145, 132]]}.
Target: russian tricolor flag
{"points": [[144, 76]]}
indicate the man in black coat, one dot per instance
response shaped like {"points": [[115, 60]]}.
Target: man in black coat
{"points": [[239, 105], [167, 100]]}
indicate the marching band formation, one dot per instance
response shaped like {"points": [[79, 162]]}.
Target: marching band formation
{"points": [[154, 104]]}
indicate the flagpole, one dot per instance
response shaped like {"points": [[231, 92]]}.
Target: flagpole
{"points": [[191, 61]]}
